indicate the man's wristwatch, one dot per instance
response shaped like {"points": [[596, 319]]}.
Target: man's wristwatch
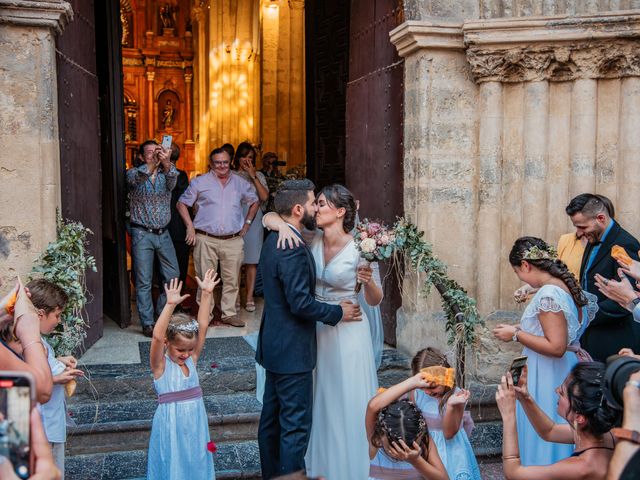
{"points": [[248, 222], [515, 334], [626, 434], [633, 303]]}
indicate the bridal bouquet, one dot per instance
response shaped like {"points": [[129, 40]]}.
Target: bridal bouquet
{"points": [[375, 241]]}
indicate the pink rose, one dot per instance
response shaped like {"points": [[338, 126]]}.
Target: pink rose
{"points": [[364, 235], [384, 240]]}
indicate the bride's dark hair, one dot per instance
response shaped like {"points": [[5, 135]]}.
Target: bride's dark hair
{"points": [[340, 197]]}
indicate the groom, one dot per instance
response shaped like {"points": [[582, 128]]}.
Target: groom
{"points": [[287, 340]]}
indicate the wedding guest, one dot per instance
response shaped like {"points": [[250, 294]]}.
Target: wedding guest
{"points": [[613, 327], [245, 162], [227, 147], [549, 331], [25, 325], [443, 408], [400, 445], [570, 250], [180, 427], [219, 226], [150, 187], [589, 418]]}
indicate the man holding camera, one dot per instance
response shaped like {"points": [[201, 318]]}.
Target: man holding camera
{"points": [[150, 186]]}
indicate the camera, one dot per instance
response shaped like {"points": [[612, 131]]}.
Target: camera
{"points": [[619, 369], [279, 163]]}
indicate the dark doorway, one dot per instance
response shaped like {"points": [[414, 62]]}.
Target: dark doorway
{"points": [[79, 131], [327, 63], [374, 170], [108, 53], [355, 112]]}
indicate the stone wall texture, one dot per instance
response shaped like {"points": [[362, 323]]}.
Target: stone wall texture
{"points": [[29, 164], [505, 121]]}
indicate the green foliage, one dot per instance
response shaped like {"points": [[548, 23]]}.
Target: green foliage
{"points": [[64, 263], [460, 309]]}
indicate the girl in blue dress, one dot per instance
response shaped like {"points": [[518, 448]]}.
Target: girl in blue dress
{"points": [[180, 428], [549, 331], [450, 425], [400, 447]]}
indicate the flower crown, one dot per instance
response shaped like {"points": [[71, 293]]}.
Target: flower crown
{"points": [[192, 326], [537, 253]]}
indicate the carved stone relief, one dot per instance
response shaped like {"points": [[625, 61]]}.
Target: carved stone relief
{"points": [[556, 62]]}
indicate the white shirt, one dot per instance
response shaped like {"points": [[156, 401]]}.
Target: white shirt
{"points": [[54, 412]]}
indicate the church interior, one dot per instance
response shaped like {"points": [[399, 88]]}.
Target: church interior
{"points": [[214, 72]]}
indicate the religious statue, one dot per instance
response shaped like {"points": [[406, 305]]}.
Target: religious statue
{"points": [[167, 16], [167, 114]]}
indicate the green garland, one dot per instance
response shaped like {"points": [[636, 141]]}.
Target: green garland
{"points": [[64, 263], [460, 309]]}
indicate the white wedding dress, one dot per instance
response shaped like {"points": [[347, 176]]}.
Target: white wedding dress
{"points": [[345, 375]]}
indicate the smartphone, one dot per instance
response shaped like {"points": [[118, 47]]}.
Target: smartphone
{"points": [[166, 142], [516, 368], [17, 397]]}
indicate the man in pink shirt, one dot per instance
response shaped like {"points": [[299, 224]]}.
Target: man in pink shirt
{"points": [[219, 225]]}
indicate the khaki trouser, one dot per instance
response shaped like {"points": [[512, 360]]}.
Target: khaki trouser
{"points": [[230, 253]]}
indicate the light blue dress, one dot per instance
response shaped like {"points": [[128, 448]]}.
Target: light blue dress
{"points": [[546, 373], [180, 430], [456, 453]]}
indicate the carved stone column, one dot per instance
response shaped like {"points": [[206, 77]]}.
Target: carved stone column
{"points": [[440, 151], [188, 79], [297, 119], [30, 160], [151, 121]]}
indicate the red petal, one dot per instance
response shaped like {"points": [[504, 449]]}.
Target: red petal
{"points": [[212, 447], [214, 365]]}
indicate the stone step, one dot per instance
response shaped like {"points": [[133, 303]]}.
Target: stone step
{"points": [[238, 460], [127, 425]]}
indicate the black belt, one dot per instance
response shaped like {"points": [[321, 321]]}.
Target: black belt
{"points": [[219, 237], [157, 231]]}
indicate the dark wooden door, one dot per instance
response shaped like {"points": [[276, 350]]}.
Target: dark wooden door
{"points": [[374, 126], [327, 61], [79, 127], [117, 304]]}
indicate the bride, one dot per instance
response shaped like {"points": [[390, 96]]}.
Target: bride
{"points": [[345, 375]]}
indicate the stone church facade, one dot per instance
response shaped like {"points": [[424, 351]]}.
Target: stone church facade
{"points": [[511, 107]]}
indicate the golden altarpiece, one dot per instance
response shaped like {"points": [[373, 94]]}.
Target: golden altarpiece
{"points": [[212, 72]]}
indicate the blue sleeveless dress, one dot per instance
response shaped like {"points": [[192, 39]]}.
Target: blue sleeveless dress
{"points": [[456, 453], [180, 430]]}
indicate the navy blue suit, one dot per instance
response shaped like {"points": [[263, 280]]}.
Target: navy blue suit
{"points": [[613, 327], [287, 350]]}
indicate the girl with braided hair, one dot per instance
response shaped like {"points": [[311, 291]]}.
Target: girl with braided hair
{"points": [[400, 447], [549, 330]]}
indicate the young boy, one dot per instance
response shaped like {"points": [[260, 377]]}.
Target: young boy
{"points": [[50, 300]]}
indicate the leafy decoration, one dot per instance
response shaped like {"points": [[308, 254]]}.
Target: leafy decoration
{"points": [[460, 309], [64, 262]]}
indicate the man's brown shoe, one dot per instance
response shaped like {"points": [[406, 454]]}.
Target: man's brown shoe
{"points": [[147, 330], [233, 320]]}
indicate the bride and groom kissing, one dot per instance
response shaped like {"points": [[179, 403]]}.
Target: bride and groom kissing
{"points": [[312, 320]]}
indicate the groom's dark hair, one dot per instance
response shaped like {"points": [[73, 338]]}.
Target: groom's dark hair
{"points": [[290, 194]]}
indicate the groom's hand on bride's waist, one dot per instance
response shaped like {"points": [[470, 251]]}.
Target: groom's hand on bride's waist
{"points": [[350, 311]]}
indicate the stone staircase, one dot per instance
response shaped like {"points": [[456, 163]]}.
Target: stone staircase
{"points": [[114, 409]]}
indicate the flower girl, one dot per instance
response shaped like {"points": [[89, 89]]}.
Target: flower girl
{"points": [[180, 429]]}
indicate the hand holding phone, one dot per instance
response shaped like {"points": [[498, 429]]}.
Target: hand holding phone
{"points": [[166, 142], [17, 395], [516, 368]]}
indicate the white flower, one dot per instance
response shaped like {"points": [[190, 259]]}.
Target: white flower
{"points": [[368, 245], [384, 240]]}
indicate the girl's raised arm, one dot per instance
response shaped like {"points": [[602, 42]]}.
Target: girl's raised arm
{"points": [[207, 285], [452, 420], [156, 355]]}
